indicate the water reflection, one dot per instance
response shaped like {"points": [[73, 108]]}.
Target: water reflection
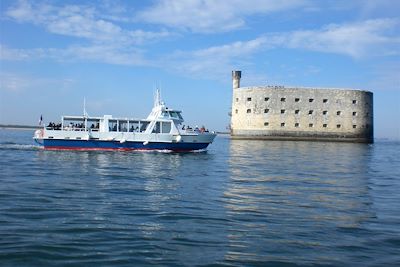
{"points": [[296, 192]]}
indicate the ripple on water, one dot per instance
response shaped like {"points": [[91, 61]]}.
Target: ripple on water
{"points": [[241, 203]]}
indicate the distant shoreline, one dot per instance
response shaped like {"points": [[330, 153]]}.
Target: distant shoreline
{"points": [[19, 127]]}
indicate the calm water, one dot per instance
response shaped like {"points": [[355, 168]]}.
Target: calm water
{"points": [[242, 203]]}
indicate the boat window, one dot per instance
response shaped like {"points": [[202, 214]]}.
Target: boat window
{"points": [[143, 126], [133, 126], [173, 114], [112, 125], [166, 127], [179, 115], [123, 126], [74, 124], [93, 124], [165, 114], [157, 128]]}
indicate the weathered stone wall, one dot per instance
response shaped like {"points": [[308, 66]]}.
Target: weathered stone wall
{"points": [[302, 113]]}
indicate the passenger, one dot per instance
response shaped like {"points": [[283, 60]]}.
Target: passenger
{"points": [[183, 127], [92, 126]]}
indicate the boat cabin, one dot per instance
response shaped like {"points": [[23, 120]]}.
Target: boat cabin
{"points": [[159, 121]]}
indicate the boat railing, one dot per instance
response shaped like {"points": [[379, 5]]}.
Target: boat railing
{"points": [[195, 131], [71, 128]]}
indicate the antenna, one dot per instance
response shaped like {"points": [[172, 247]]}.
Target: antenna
{"points": [[157, 98], [85, 114]]}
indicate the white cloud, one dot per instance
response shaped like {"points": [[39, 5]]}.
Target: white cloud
{"points": [[104, 41], [212, 16], [214, 61], [94, 53], [367, 39], [360, 39], [80, 21], [110, 43]]}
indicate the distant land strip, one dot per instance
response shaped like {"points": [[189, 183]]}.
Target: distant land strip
{"points": [[22, 127]]}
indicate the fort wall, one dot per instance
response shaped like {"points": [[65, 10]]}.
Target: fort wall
{"points": [[298, 113]]}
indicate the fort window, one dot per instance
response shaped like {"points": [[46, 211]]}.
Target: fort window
{"points": [[282, 124], [338, 113], [354, 113], [325, 112], [311, 100], [311, 125], [266, 110], [338, 126], [283, 99], [325, 125], [354, 126], [310, 112], [249, 99], [249, 111], [266, 98], [282, 111], [297, 111], [236, 111], [354, 101], [297, 99], [266, 123], [296, 125], [237, 99], [325, 100]]}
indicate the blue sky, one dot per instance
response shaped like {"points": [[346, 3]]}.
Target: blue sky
{"points": [[114, 53]]}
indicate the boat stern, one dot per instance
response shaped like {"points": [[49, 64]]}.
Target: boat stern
{"points": [[38, 136]]}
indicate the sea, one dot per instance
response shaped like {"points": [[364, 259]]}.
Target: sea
{"points": [[240, 203]]}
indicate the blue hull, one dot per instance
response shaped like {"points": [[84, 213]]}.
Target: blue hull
{"points": [[116, 145]]}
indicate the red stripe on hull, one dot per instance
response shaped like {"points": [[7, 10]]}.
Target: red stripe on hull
{"points": [[111, 149]]}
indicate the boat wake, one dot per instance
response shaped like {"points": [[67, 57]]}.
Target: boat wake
{"points": [[16, 146]]}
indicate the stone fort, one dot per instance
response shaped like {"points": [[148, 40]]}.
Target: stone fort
{"points": [[299, 113]]}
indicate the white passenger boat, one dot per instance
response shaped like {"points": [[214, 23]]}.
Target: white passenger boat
{"points": [[162, 130]]}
